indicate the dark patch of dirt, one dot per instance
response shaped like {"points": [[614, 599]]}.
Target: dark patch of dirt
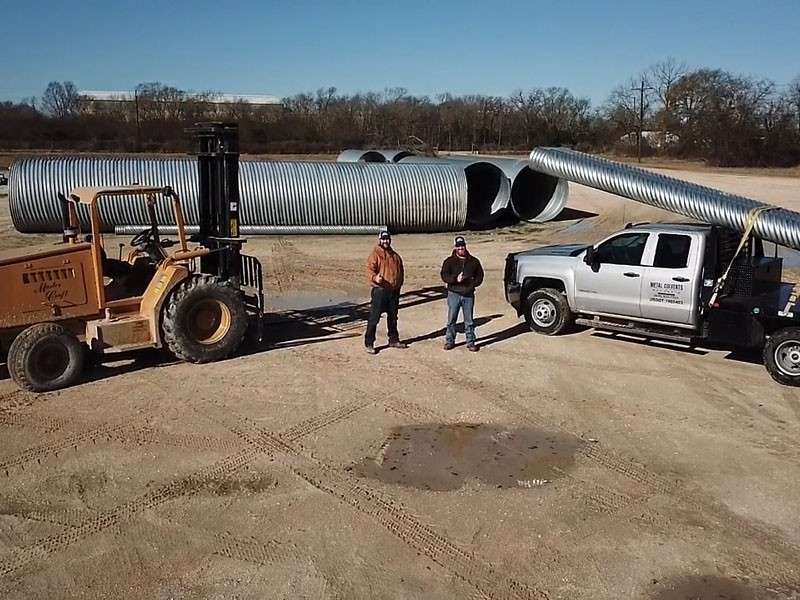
{"points": [[443, 457], [712, 588]]}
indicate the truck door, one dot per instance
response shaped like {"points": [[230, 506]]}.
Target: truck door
{"points": [[670, 286], [614, 287]]}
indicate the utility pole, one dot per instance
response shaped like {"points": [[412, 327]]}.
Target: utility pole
{"points": [[138, 127], [639, 136]]}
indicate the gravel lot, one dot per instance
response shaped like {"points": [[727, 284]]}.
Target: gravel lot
{"points": [[577, 467]]}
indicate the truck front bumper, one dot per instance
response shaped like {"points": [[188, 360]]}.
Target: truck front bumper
{"points": [[514, 295]]}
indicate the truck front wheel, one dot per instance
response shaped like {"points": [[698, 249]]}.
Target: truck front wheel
{"points": [[547, 311], [782, 356]]}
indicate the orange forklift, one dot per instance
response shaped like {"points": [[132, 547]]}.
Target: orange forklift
{"points": [[195, 297]]}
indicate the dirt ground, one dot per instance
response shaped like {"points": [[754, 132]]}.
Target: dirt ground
{"points": [[579, 467]]}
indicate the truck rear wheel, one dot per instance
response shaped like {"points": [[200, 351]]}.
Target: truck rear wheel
{"points": [[547, 311], [45, 357], [782, 356], [205, 319]]}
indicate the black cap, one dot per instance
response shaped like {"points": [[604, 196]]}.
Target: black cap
{"points": [[384, 235], [460, 241]]}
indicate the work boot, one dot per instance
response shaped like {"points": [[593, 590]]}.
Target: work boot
{"points": [[370, 350], [398, 344], [449, 346], [472, 348]]}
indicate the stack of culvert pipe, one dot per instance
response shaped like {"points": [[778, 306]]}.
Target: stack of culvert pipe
{"points": [[526, 194], [705, 204], [276, 196]]}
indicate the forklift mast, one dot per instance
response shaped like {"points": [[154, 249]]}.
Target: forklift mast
{"points": [[217, 149]]}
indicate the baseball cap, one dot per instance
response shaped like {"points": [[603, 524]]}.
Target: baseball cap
{"points": [[384, 235], [459, 241]]}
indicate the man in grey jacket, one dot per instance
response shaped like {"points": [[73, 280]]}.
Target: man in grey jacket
{"points": [[462, 273]]}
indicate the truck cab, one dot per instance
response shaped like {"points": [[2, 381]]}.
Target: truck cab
{"points": [[691, 283]]}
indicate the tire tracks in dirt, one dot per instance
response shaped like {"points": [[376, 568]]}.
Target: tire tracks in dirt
{"points": [[41, 451], [124, 512], [777, 560], [386, 511], [126, 433], [178, 487]]}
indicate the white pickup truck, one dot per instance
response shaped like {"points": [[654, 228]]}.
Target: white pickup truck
{"points": [[664, 281]]}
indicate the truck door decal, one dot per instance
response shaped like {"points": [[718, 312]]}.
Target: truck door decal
{"points": [[666, 293]]}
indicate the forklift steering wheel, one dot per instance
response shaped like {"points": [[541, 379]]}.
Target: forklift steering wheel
{"points": [[143, 238]]}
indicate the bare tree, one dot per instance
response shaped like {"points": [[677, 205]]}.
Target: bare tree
{"points": [[61, 99], [663, 76], [793, 97]]}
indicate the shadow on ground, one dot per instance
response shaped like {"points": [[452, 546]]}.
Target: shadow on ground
{"points": [[293, 328], [281, 330], [502, 336], [479, 321], [573, 214], [752, 357]]}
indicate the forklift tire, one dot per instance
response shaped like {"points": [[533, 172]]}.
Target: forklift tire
{"points": [[782, 356], [204, 320], [547, 311], [45, 357]]}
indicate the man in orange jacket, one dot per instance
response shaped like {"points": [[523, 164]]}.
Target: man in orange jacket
{"points": [[385, 275]]}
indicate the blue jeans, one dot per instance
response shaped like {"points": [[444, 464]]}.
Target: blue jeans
{"points": [[467, 305]]}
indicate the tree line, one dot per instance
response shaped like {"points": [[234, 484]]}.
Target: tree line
{"points": [[697, 113]]}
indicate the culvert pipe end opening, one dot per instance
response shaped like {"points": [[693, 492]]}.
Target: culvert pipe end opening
{"points": [[537, 197], [487, 193], [394, 155], [371, 156]]}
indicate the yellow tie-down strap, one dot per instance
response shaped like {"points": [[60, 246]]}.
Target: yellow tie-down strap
{"points": [[752, 219]]}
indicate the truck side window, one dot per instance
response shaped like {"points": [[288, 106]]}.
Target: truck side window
{"points": [[672, 251], [625, 249]]}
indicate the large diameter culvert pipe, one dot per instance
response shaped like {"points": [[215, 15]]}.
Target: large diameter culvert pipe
{"points": [[267, 229], [698, 202], [391, 155], [488, 189], [405, 198], [535, 197], [361, 156], [394, 155]]}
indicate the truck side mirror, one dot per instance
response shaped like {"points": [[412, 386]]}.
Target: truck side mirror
{"points": [[591, 258]]}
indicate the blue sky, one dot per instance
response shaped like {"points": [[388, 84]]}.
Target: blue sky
{"points": [[282, 48]]}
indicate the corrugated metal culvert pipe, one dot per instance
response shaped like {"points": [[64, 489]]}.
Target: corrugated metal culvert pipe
{"points": [[361, 156], [698, 202], [302, 197], [394, 154], [527, 195], [488, 189], [534, 197]]}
